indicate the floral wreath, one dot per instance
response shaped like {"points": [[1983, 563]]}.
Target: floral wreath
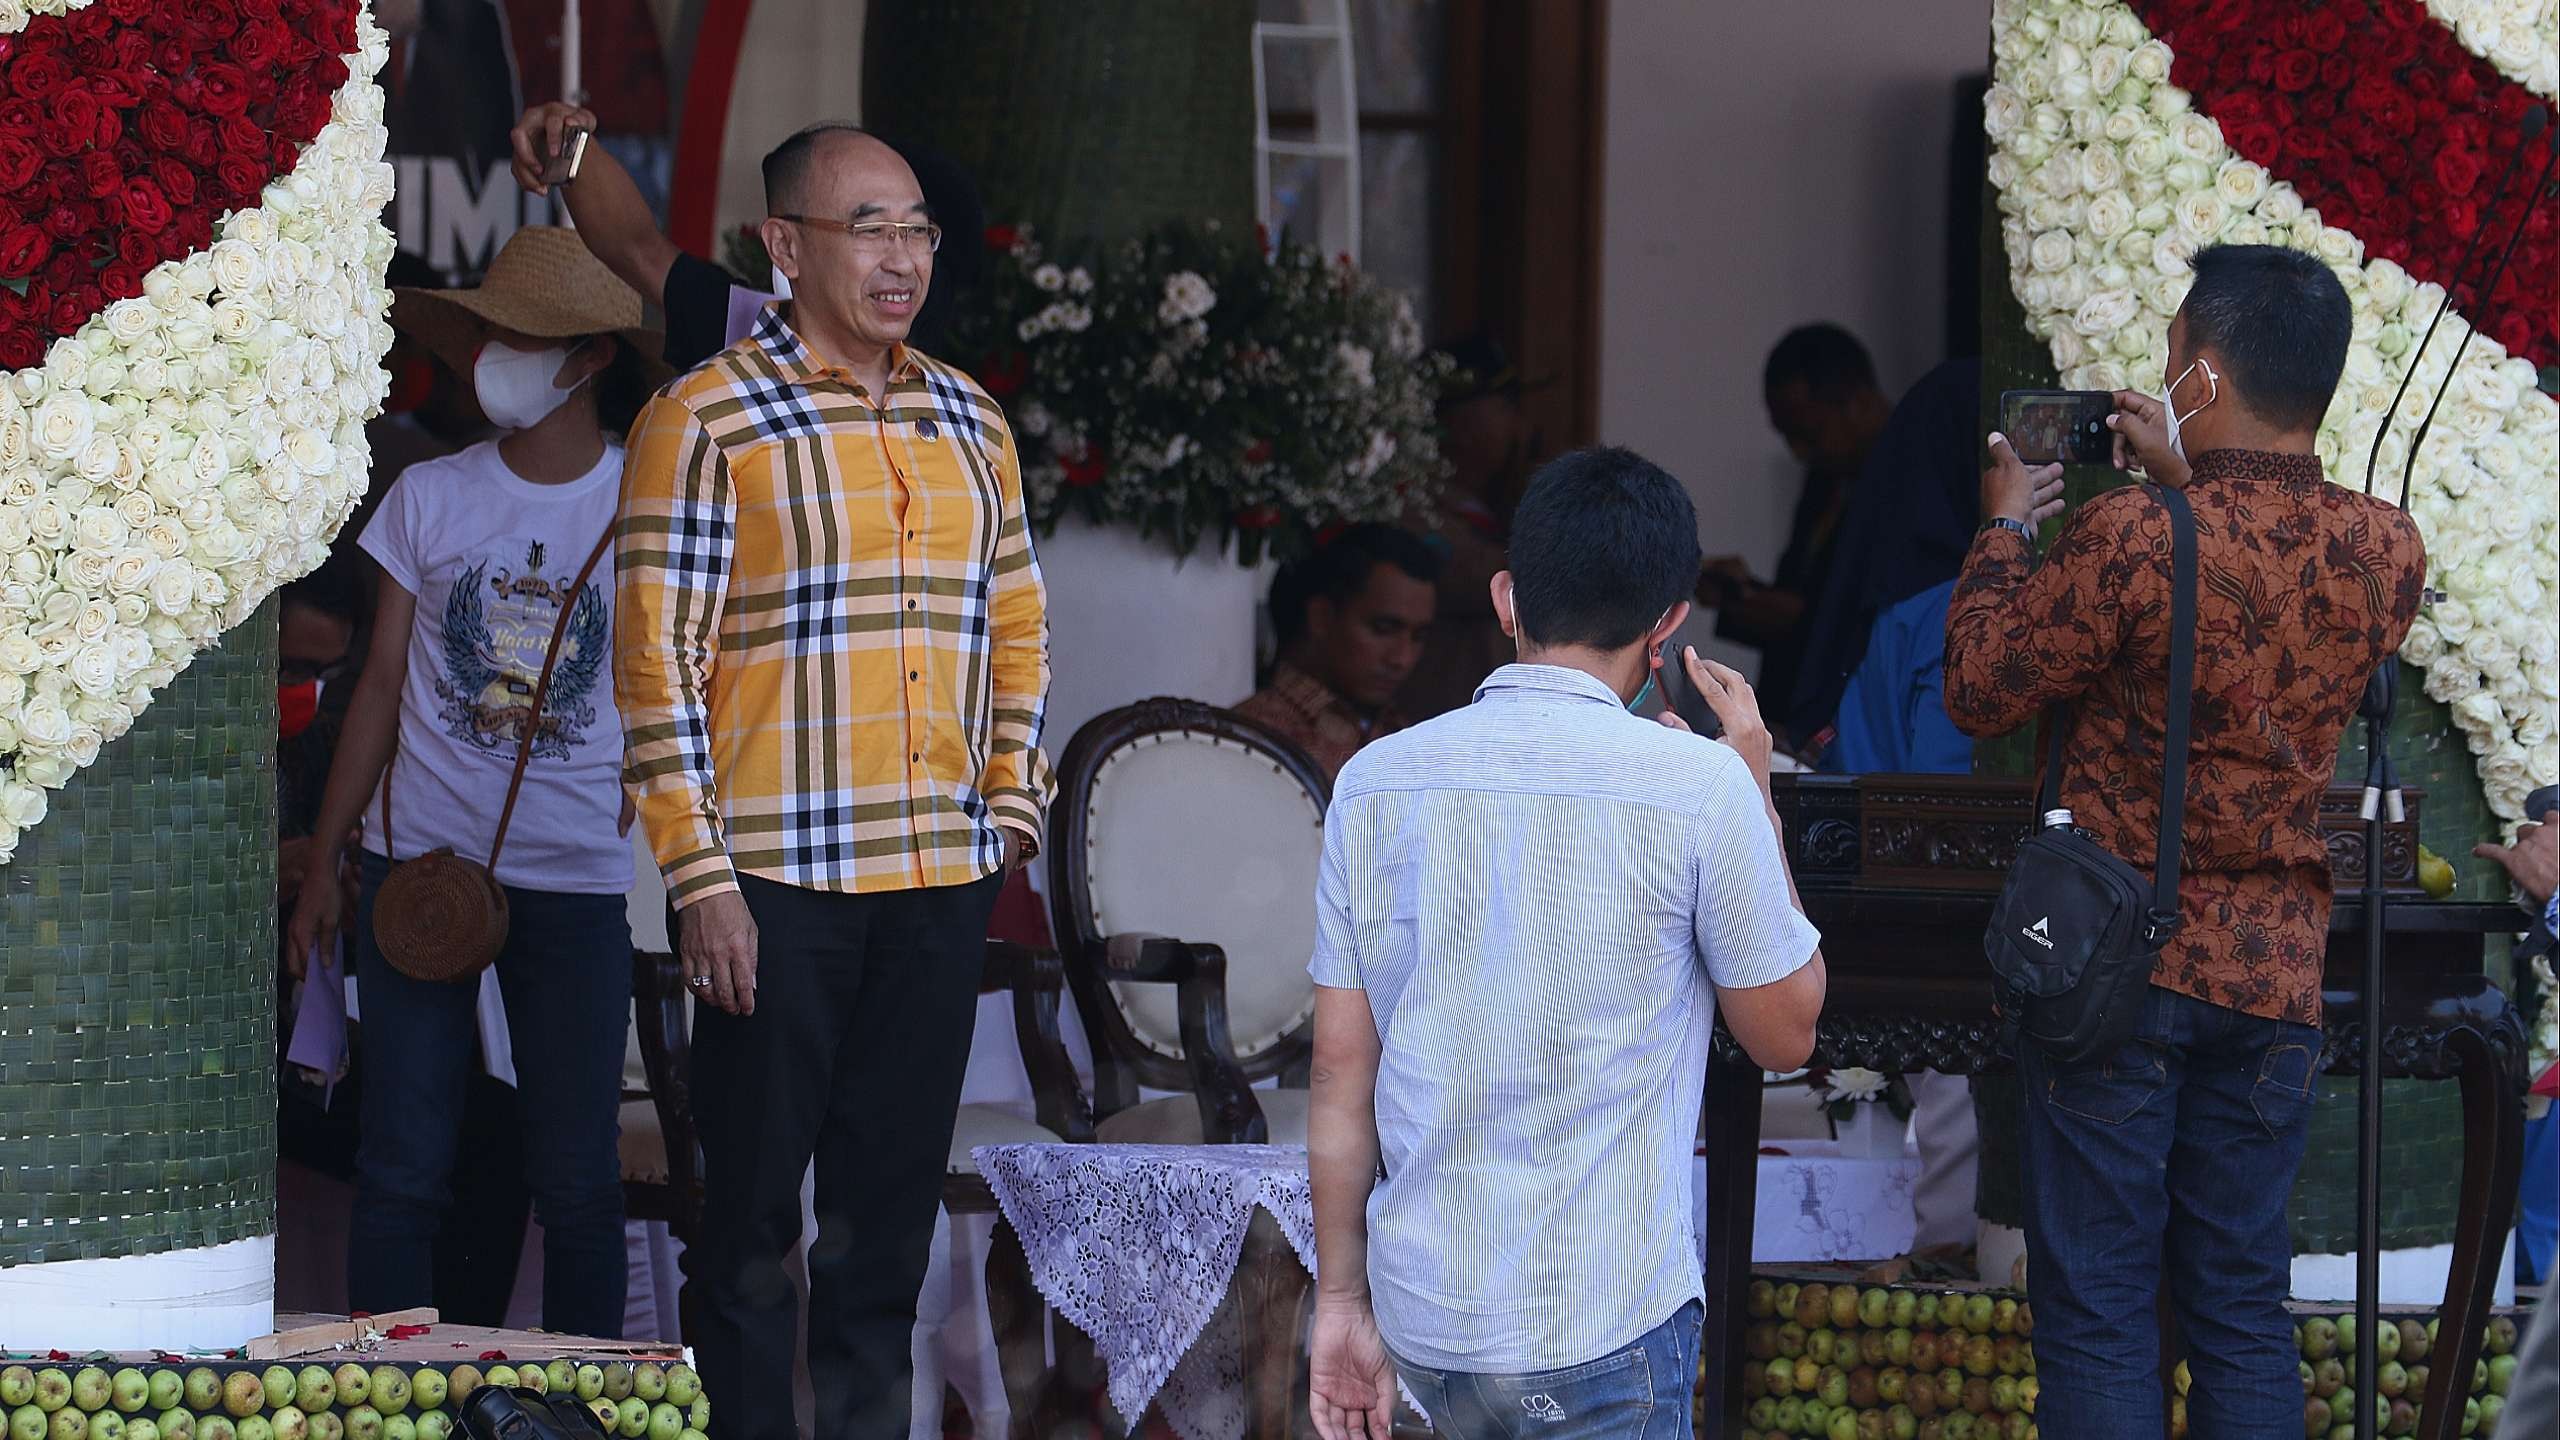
{"points": [[192, 321], [2392, 117], [2110, 179]]}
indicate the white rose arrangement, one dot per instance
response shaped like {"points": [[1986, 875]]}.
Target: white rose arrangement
{"points": [[186, 452], [2101, 271]]}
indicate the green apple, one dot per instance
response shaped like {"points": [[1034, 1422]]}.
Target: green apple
{"points": [[2028, 1389], [2470, 1417], [617, 1382], [327, 1425], [354, 1385], [2346, 1336], [649, 1381], [2502, 1373], [434, 1425], [1780, 1376], [607, 1413], [68, 1423], [313, 1389], [27, 1422], [1762, 1415], [590, 1386], [400, 1427], [1761, 1300], [1792, 1341], [177, 1424], [2492, 1407], [2004, 1394], [1897, 1347], [142, 1427], [1844, 1307], [502, 1376], [2004, 1317], [53, 1391], [666, 1422], [1892, 1386], [2319, 1338], [533, 1378], [1834, 1388], [106, 1425], [700, 1416], [390, 1389], [461, 1382], [633, 1419], [1901, 1424], [92, 1388], [1959, 1426], [257, 1427], [1978, 1313], [2392, 1380], [561, 1377], [291, 1423], [2500, 1337], [2327, 1377], [217, 1426], [1843, 1426], [2479, 1380], [2386, 1343], [1902, 1309], [17, 1386], [364, 1423], [1817, 1418], [243, 1394], [1821, 1347], [129, 1390], [2415, 1342], [168, 1392], [428, 1387], [279, 1386]]}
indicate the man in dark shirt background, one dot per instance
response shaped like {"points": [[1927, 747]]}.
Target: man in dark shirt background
{"points": [[1823, 400]]}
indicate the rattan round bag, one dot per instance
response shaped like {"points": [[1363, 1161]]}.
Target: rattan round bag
{"points": [[440, 917]]}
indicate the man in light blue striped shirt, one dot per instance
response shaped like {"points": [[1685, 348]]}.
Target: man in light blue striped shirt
{"points": [[1528, 915]]}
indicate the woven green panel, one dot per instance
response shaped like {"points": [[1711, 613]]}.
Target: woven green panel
{"points": [[1092, 122], [137, 982]]}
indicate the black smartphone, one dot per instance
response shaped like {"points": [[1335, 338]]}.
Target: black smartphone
{"points": [[2066, 425], [1682, 698]]}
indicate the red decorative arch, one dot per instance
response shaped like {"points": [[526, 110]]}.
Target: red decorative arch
{"points": [[703, 133]]}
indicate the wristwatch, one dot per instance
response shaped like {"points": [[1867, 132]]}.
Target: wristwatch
{"points": [[2019, 527]]}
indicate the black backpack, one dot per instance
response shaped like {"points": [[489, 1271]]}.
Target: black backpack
{"points": [[2075, 933]]}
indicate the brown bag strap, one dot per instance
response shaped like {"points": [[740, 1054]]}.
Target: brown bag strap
{"points": [[533, 723], [542, 693]]}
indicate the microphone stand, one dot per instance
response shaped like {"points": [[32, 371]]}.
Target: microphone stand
{"points": [[2382, 797]]}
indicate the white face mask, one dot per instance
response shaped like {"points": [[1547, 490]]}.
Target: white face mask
{"points": [[781, 285], [2169, 403], [515, 386]]}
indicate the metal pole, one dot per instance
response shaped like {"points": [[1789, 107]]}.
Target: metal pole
{"points": [[571, 89]]}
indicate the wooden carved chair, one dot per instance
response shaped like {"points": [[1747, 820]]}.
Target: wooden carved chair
{"points": [[1183, 855]]}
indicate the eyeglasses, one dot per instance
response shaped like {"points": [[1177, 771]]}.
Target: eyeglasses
{"points": [[876, 236]]}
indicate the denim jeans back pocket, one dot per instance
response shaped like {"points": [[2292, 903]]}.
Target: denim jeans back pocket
{"points": [[1612, 1396], [2287, 1075], [2112, 1091]]}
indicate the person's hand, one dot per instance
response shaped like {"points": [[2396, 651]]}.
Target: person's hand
{"points": [[2012, 490], [719, 941], [539, 135], [1735, 707], [293, 859], [1351, 1384], [1014, 848], [2533, 862], [2141, 424], [317, 910]]}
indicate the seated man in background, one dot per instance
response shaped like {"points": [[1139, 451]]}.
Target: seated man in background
{"points": [[1350, 619]]}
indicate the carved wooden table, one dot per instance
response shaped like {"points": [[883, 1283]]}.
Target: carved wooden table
{"points": [[1900, 872]]}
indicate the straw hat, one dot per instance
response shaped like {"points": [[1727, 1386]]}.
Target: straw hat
{"points": [[543, 283]]}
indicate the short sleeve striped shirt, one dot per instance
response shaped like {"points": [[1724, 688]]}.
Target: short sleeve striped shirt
{"points": [[1541, 894], [832, 646]]}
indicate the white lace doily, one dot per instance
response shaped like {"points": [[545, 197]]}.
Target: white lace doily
{"points": [[1136, 1245]]}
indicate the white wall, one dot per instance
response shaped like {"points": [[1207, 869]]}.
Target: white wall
{"points": [[1768, 165]]}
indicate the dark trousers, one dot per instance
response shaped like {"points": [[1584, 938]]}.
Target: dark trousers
{"points": [[566, 975], [864, 1006], [2169, 1163]]}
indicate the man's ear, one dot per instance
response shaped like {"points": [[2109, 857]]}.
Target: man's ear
{"points": [[1503, 605], [782, 244], [1668, 626]]}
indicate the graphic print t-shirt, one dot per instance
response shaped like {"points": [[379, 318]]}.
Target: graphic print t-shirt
{"points": [[491, 557]]}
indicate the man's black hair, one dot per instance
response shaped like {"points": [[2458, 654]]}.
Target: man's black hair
{"points": [[337, 589], [787, 165], [1604, 543], [1827, 359], [1339, 570], [2279, 321]]}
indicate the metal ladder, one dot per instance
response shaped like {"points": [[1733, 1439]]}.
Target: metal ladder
{"points": [[1324, 25]]}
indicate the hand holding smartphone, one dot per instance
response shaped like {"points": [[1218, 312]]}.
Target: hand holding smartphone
{"points": [[562, 166], [2070, 426]]}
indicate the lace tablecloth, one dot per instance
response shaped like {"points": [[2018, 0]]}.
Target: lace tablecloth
{"points": [[1136, 1245]]}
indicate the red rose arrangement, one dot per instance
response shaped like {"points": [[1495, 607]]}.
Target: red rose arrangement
{"points": [[2377, 115], [129, 128]]}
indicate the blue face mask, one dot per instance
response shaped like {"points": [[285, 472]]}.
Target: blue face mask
{"points": [[1637, 704]]}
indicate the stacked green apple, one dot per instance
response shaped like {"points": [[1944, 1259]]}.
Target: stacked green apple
{"points": [[314, 1402], [1840, 1362], [2403, 1347]]}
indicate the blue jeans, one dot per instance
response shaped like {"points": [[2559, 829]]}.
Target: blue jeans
{"points": [[2169, 1163], [566, 976], [1639, 1393]]}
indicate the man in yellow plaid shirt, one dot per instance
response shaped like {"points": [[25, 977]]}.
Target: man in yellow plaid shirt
{"points": [[831, 655]]}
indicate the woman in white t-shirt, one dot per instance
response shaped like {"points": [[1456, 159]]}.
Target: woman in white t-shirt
{"points": [[479, 554]]}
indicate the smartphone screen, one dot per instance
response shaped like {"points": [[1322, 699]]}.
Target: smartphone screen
{"points": [[2066, 425]]}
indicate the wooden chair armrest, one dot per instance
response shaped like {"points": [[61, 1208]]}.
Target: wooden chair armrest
{"points": [[1228, 1112], [1037, 977]]}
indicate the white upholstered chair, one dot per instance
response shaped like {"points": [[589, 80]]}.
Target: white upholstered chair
{"points": [[1183, 849]]}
